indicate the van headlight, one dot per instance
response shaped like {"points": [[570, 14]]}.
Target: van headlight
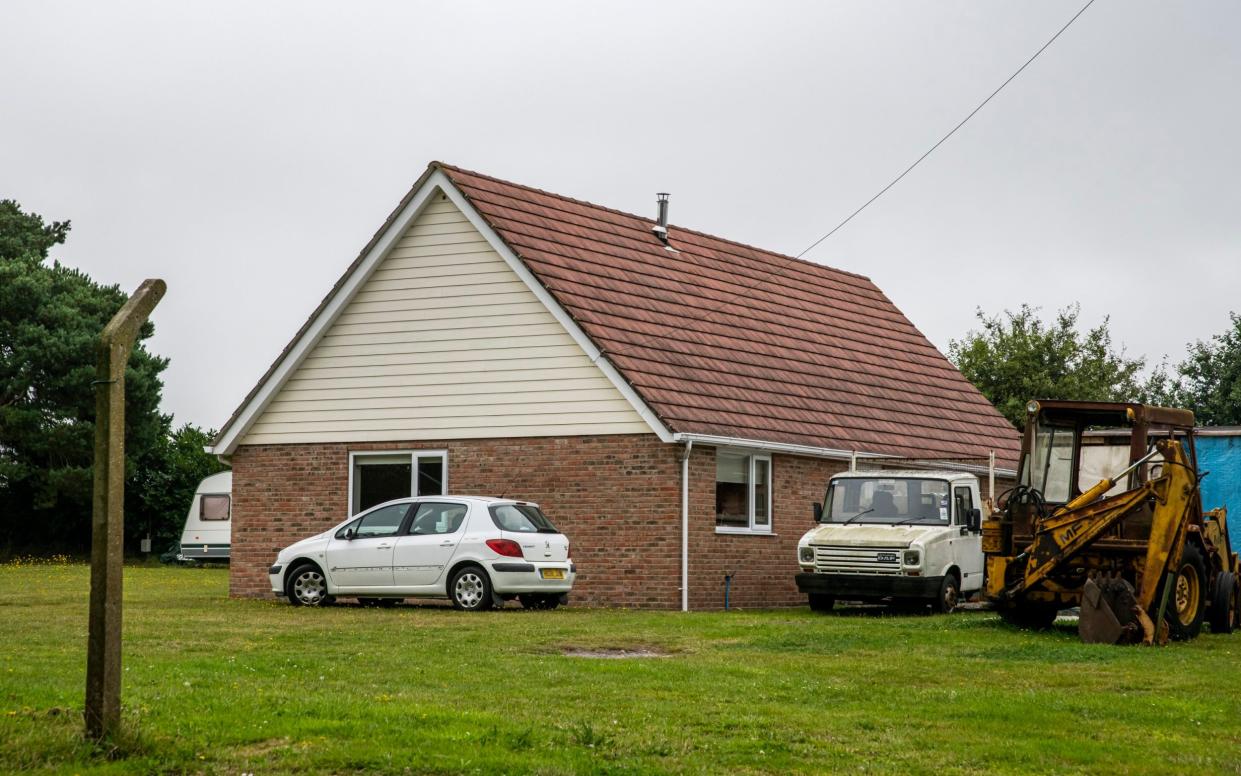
{"points": [[806, 554], [912, 558]]}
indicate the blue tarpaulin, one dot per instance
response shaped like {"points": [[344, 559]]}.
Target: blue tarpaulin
{"points": [[1219, 453]]}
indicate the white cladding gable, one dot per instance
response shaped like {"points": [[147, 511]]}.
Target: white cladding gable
{"points": [[444, 341]]}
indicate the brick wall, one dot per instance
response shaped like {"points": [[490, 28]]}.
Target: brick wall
{"points": [[617, 497]]}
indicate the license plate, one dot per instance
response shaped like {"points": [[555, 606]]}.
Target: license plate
{"points": [[553, 573]]}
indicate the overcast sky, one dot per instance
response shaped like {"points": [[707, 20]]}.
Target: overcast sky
{"points": [[245, 152]]}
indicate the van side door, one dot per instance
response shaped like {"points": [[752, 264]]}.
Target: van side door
{"points": [[967, 546]]}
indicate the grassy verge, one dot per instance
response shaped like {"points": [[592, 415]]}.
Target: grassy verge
{"points": [[219, 686]]}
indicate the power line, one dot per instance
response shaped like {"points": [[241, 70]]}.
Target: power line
{"points": [[789, 262], [951, 132]]}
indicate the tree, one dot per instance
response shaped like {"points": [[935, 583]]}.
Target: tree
{"points": [[1208, 381], [1017, 357], [50, 319]]}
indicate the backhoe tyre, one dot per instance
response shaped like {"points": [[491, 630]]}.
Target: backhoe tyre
{"points": [[949, 594], [1224, 603], [1030, 615], [1187, 604], [821, 603]]}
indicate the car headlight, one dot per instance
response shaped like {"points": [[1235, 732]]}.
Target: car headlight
{"points": [[912, 558], [806, 554]]}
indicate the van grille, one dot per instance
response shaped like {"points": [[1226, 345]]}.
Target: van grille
{"points": [[858, 560]]}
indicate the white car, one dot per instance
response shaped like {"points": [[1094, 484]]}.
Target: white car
{"points": [[478, 552]]}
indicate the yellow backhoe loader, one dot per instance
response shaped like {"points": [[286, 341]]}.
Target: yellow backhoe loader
{"points": [[1107, 515]]}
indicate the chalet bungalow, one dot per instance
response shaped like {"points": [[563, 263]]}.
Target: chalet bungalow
{"points": [[675, 401]]}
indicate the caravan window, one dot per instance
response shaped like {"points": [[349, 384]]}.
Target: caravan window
{"points": [[213, 507]]}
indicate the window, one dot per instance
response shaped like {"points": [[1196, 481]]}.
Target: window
{"points": [[888, 501], [214, 507], [742, 492], [520, 518], [385, 521], [964, 498], [437, 519], [1049, 467], [378, 477]]}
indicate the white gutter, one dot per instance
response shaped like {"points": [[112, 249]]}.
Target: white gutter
{"points": [[834, 454], [689, 445]]}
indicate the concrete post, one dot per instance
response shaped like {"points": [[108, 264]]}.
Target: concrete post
{"points": [[103, 646]]}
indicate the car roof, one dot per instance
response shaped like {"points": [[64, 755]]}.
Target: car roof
{"points": [[455, 497]]}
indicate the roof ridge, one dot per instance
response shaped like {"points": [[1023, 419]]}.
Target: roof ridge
{"points": [[588, 203]]}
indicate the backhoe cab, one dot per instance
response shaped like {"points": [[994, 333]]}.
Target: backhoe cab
{"points": [[1107, 515]]}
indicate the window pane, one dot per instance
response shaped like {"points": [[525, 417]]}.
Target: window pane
{"points": [[383, 522], [431, 476], [732, 490], [762, 477], [965, 502], [213, 507], [520, 518], [437, 519], [887, 500], [375, 482], [1051, 462]]}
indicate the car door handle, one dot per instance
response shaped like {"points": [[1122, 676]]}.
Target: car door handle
{"points": [[446, 544], [383, 546]]}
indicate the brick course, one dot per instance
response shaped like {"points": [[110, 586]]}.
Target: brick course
{"points": [[617, 498]]}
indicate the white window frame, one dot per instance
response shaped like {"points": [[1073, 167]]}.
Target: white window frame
{"points": [[751, 456], [414, 455]]}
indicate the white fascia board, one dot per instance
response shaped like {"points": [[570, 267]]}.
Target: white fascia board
{"points": [[323, 321], [441, 181], [826, 452]]}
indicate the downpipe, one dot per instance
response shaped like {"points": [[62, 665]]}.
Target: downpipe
{"points": [[689, 446]]}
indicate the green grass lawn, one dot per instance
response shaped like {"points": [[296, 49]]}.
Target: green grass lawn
{"points": [[219, 686]]}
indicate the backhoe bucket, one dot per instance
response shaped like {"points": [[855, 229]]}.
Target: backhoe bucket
{"points": [[1110, 614]]}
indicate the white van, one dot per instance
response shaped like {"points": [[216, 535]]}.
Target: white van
{"points": [[208, 526], [893, 536]]}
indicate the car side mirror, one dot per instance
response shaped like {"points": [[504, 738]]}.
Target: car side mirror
{"points": [[975, 519], [818, 512], [349, 534]]}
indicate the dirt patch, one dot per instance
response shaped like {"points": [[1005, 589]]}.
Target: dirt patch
{"points": [[614, 653]]}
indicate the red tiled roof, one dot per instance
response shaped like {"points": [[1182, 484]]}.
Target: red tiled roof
{"points": [[723, 339]]}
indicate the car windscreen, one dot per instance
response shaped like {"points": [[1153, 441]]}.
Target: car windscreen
{"points": [[520, 518], [889, 501]]}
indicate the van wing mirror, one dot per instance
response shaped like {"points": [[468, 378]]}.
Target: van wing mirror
{"points": [[818, 512], [975, 519]]}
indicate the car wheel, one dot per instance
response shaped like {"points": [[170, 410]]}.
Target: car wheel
{"points": [[470, 589], [539, 601], [949, 594], [306, 586]]}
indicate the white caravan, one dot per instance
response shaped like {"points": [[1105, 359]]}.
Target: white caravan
{"points": [[208, 526]]}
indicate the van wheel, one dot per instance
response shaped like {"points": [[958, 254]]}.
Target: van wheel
{"points": [[949, 594], [1030, 615], [470, 589], [306, 586], [820, 602]]}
